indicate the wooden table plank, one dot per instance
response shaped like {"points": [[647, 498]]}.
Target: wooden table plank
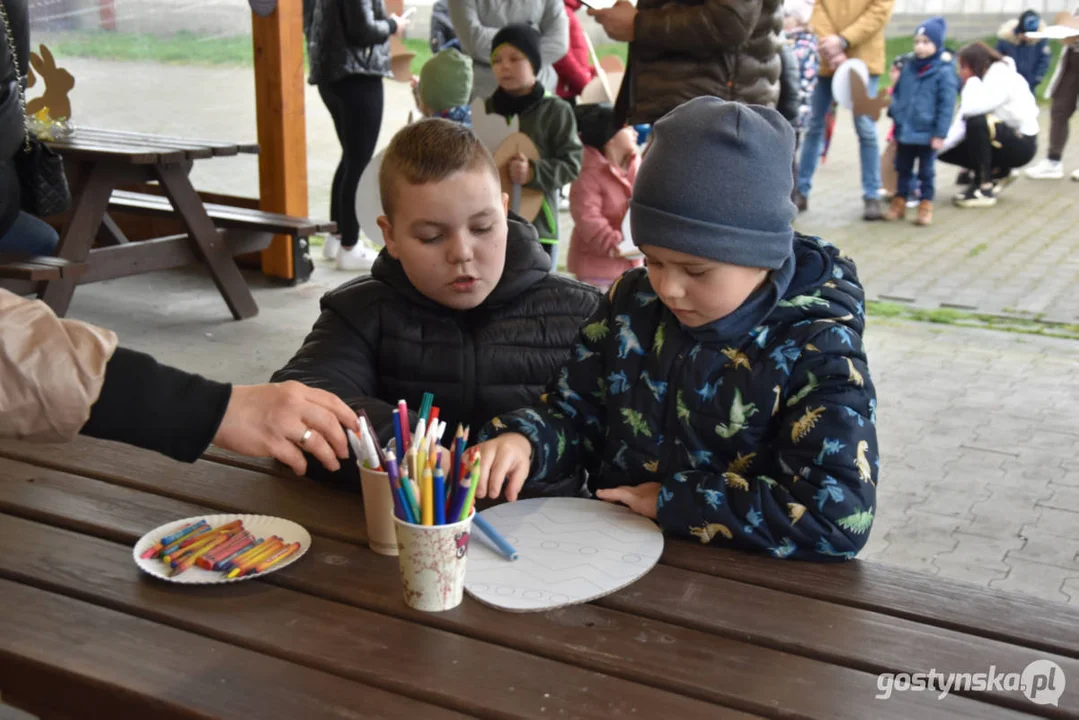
{"points": [[135, 154], [219, 148], [123, 666], [965, 607], [321, 509], [398, 656], [620, 643]]}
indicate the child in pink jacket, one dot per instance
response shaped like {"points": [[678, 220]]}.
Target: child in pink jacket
{"points": [[599, 198]]}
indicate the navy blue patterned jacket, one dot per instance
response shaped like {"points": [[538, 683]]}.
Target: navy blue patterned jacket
{"points": [[765, 443]]}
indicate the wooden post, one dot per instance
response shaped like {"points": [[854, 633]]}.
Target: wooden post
{"points": [[282, 130]]}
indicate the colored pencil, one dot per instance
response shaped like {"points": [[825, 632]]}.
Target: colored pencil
{"points": [[425, 405], [270, 546], [276, 559], [460, 493], [434, 413], [398, 437], [427, 500], [438, 495], [224, 563], [474, 477], [185, 530], [500, 542], [406, 438]]}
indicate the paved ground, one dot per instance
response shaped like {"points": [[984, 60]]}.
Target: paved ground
{"points": [[980, 479]]}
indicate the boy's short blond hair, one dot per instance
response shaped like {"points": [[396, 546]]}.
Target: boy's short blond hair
{"points": [[429, 151]]}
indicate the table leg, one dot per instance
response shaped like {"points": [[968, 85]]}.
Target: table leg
{"points": [[207, 243], [88, 208]]}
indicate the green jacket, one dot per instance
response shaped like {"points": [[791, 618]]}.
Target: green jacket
{"points": [[551, 125]]}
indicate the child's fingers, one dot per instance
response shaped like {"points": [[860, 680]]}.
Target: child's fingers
{"points": [[621, 494], [487, 458], [516, 480], [503, 463]]}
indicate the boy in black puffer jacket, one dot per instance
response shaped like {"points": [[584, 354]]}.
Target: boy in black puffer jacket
{"points": [[461, 301], [724, 390]]}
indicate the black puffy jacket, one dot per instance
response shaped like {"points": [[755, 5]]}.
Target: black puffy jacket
{"points": [[11, 123], [347, 37], [379, 340]]}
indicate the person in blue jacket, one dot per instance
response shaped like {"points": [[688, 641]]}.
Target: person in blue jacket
{"points": [[1031, 56], [723, 390], [923, 102]]}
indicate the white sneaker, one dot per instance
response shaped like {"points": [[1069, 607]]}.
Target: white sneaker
{"points": [[330, 247], [1045, 170], [358, 257], [1075, 175]]}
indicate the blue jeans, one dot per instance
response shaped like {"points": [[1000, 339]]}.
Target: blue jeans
{"points": [[905, 155], [29, 236], [814, 141]]}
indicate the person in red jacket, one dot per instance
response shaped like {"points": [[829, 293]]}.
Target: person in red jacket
{"points": [[575, 69]]}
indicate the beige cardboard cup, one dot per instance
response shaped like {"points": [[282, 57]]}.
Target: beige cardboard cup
{"points": [[378, 507]]}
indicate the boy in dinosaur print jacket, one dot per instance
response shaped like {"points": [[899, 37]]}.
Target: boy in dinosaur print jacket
{"points": [[723, 390]]}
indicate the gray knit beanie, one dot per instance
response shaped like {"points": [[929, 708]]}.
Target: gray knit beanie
{"points": [[716, 183]]}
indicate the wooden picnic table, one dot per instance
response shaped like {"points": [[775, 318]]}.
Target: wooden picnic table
{"points": [[99, 161], [708, 633]]}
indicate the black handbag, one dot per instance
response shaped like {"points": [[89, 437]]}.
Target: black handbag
{"points": [[42, 180]]}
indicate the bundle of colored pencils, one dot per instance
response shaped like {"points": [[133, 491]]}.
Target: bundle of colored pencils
{"points": [[229, 548], [422, 492]]}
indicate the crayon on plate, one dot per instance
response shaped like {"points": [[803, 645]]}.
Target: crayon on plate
{"points": [[185, 530], [276, 559]]}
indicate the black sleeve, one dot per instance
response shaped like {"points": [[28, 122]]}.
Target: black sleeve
{"points": [[157, 407]]}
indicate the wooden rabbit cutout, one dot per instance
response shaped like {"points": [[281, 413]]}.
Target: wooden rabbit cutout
{"points": [[58, 83]]}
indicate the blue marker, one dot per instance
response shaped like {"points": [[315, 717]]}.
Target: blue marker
{"points": [[500, 542]]}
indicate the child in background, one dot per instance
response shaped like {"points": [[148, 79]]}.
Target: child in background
{"points": [[445, 86], [600, 197], [1031, 56], [723, 390], [803, 42], [923, 102], [460, 302], [1063, 90], [574, 70], [546, 120]]}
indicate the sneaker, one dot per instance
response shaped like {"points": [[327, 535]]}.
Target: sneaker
{"points": [[330, 247], [358, 257], [925, 213], [898, 209], [1045, 170], [965, 177], [1075, 175], [1002, 183], [976, 197], [873, 210]]}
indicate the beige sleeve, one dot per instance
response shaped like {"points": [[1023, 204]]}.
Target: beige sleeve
{"points": [[51, 370]]}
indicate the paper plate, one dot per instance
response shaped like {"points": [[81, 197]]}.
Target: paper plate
{"points": [[841, 89], [571, 550], [261, 526]]}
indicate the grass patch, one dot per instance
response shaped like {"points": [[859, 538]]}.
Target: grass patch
{"points": [[963, 318], [977, 250]]}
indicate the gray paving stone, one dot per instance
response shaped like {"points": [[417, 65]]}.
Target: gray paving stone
{"points": [[1046, 548], [1058, 522], [1031, 578]]}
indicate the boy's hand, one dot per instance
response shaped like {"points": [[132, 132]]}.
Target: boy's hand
{"points": [[936, 143], [504, 461], [402, 24], [520, 170], [641, 499]]}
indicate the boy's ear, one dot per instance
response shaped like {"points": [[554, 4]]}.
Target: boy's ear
{"points": [[506, 204], [387, 236]]}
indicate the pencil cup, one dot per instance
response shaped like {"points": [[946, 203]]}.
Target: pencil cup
{"points": [[432, 559], [378, 511], [378, 507]]}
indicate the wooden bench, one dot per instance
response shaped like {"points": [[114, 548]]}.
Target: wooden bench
{"points": [[227, 217], [24, 275]]}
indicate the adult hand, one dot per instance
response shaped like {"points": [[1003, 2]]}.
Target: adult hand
{"points": [[402, 24], [617, 20], [831, 46], [520, 170], [936, 143], [837, 60], [641, 499], [504, 462], [270, 421]]}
